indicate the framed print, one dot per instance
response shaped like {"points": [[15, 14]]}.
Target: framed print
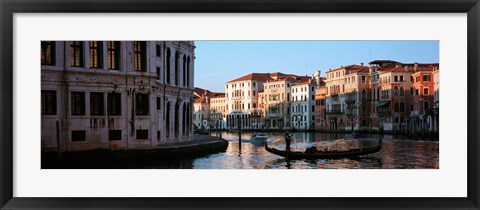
{"points": [[239, 105]]}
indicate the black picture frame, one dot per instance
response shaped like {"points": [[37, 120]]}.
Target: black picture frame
{"points": [[10, 7]]}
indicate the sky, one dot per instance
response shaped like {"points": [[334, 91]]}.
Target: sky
{"points": [[220, 61]]}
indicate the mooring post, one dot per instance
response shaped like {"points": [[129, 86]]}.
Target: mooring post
{"points": [[239, 135]]}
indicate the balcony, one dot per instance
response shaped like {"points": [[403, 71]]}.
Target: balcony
{"points": [[333, 94], [384, 113], [335, 111], [350, 101], [350, 115]]}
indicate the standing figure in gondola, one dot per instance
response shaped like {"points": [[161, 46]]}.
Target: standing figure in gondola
{"points": [[288, 140]]}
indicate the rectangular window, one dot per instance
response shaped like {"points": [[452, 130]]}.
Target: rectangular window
{"points": [[140, 56], [425, 105], [48, 52], [142, 134], [425, 91], [96, 54], [395, 78], [159, 51], [96, 104], [114, 135], [159, 103], [78, 103], [114, 105], [113, 49], [141, 104], [49, 102], [76, 54], [426, 78], [313, 108], [363, 79], [401, 78], [78, 135], [158, 72], [416, 92]]}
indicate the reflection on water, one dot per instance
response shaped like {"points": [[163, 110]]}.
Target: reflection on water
{"points": [[396, 153]]}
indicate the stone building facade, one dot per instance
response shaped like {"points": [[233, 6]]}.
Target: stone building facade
{"points": [[278, 100], [217, 111], [116, 94], [241, 100], [342, 86], [303, 105]]}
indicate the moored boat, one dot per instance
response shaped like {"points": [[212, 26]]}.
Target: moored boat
{"points": [[326, 154], [259, 137]]}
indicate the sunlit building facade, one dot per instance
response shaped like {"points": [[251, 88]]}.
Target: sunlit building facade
{"points": [[218, 111]]}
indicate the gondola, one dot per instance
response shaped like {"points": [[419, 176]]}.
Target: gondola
{"points": [[326, 154]]}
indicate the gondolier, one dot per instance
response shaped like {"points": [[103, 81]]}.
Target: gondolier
{"points": [[288, 140]]}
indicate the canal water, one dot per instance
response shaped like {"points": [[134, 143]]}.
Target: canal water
{"points": [[397, 153]]}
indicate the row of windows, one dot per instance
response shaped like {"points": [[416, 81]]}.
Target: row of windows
{"points": [[241, 85], [113, 57], [97, 107], [302, 89], [242, 106], [48, 54], [113, 135], [335, 74], [320, 102]]}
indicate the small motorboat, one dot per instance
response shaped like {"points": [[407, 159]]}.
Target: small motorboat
{"points": [[309, 154], [356, 135], [259, 137]]}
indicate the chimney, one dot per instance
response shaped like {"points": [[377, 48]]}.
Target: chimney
{"points": [[361, 64], [398, 65], [406, 68], [318, 77], [415, 66]]}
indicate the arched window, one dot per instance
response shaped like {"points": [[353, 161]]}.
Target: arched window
{"points": [[397, 107], [395, 90], [177, 119], [167, 119], [168, 65], [364, 95], [184, 70], [184, 123], [402, 90], [177, 69], [188, 71]]}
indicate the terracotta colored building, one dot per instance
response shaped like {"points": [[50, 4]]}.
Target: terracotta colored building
{"points": [[423, 99], [321, 122]]}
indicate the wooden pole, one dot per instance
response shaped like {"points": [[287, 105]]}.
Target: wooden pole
{"points": [[59, 148], [239, 135]]}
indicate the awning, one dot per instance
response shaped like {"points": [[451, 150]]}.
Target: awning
{"points": [[381, 103]]}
